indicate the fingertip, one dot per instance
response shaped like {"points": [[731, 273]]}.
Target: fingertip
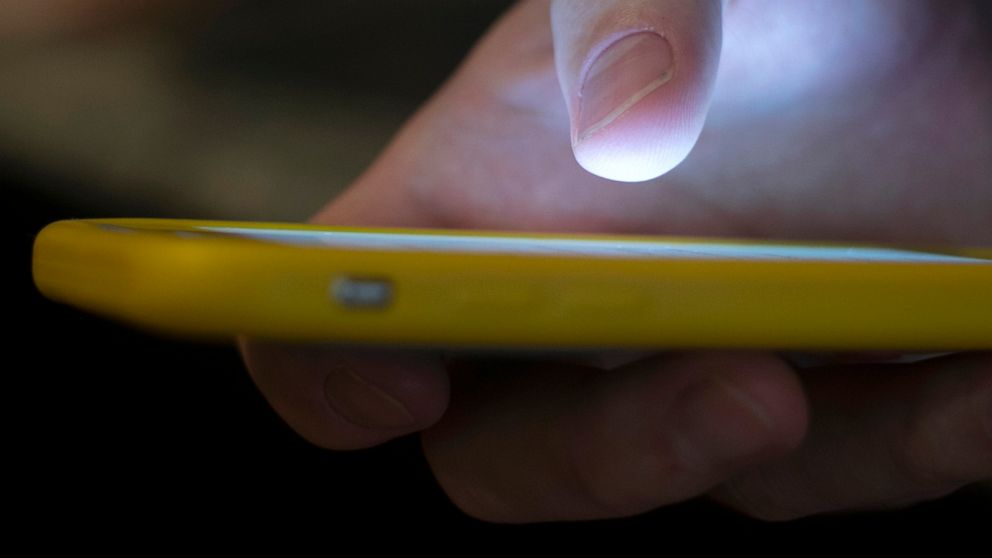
{"points": [[639, 117], [646, 142], [385, 390], [349, 398], [637, 79]]}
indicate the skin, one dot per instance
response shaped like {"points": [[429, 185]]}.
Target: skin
{"points": [[817, 120], [877, 129]]}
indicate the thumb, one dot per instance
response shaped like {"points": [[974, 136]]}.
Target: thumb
{"points": [[637, 77]]}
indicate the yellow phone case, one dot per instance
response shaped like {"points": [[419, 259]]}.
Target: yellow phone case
{"points": [[219, 279]]}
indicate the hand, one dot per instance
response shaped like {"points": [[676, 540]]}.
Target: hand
{"points": [[821, 119]]}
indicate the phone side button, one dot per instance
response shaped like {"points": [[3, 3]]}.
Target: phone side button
{"points": [[361, 293]]}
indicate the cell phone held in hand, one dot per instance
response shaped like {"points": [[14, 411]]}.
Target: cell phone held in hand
{"points": [[443, 288]]}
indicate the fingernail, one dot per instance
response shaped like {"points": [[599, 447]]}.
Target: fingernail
{"points": [[720, 424], [363, 403], [624, 74]]}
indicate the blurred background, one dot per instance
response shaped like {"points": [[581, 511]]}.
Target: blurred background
{"points": [[236, 110], [247, 109]]}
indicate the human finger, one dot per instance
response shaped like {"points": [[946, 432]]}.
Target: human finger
{"points": [[544, 442], [637, 78], [881, 435]]}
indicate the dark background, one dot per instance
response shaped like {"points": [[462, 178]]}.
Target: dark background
{"points": [[113, 427]]}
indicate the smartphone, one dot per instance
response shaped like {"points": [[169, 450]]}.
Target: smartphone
{"points": [[442, 288]]}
